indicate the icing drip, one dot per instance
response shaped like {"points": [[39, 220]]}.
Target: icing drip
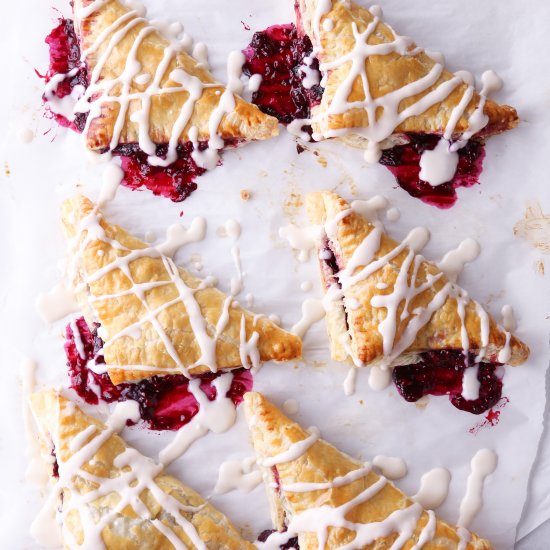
{"points": [[291, 406], [303, 239], [434, 488], [391, 467], [312, 312], [483, 464], [454, 261], [137, 474], [238, 475], [215, 416], [56, 304], [295, 451]]}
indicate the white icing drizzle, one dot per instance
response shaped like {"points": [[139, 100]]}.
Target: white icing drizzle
{"points": [[296, 128], [254, 82], [508, 319], [232, 229], [470, 383], [319, 520], [312, 77], [312, 312], [91, 230], [216, 416], [200, 53], [237, 285], [384, 114], [393, 214], [112, 178], [303, 239], [483, 464], [291, 406], [390, 466], [238, 475], [363, 263], [295, 451], [137, 474], [178, 236], [454, 261], [350, 381], [121, 90], [306, 286], [56, 304], [434, 488]]}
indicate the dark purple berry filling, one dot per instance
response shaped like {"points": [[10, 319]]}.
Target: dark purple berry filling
{"points": [[441, 373], [165, 402], [403, 161], [277, 53]]}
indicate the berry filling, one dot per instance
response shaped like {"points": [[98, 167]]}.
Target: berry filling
{"points": [[403, 161], [176, 181], [441, 373], [64, 58], [289, 545], [165, 402], [278, 54]]}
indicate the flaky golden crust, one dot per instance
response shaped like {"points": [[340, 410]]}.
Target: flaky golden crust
{"points": [[245, 123], [148, 348], [443, 331], [60, 421], [272, 433], [386, 73]]}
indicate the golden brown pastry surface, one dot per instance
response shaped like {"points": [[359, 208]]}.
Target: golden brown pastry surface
{"points": [[444, 327], [244, 123], [385, 73], [88, 497], [273, 433], [157, 342]]}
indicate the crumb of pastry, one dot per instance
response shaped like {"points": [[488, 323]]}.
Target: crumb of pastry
{"points": [[245, 195], [539, 267], [7, 170], [221, 232]]}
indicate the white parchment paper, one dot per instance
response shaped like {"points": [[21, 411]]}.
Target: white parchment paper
{"points": [[507, 37]]}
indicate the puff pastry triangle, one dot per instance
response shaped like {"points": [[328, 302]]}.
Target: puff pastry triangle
{"points": [[145, 89], [379, 84], [386, 304], [330, 500], [157, 318], [110, 496]]}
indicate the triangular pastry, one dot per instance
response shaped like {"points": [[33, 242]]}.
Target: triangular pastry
{"points": [[143, 92], [390, 304], [330, 500], [157, 318], [379, 85], [108, 495]]}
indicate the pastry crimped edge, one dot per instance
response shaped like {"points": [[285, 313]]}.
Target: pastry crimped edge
{"points": [[59, 421], [441, 332], [274, 343], [273, 433], [433, 120], [245, 123]]}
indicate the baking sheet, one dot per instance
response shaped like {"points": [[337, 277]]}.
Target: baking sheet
{"points": [[39, 175]]}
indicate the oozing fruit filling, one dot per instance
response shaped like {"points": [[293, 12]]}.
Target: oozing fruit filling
{"points": [[437, 372], [283, 59], [403, 161], [64, 58], [442, 373], [289, 545], [176, 181], [165, 402]]}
